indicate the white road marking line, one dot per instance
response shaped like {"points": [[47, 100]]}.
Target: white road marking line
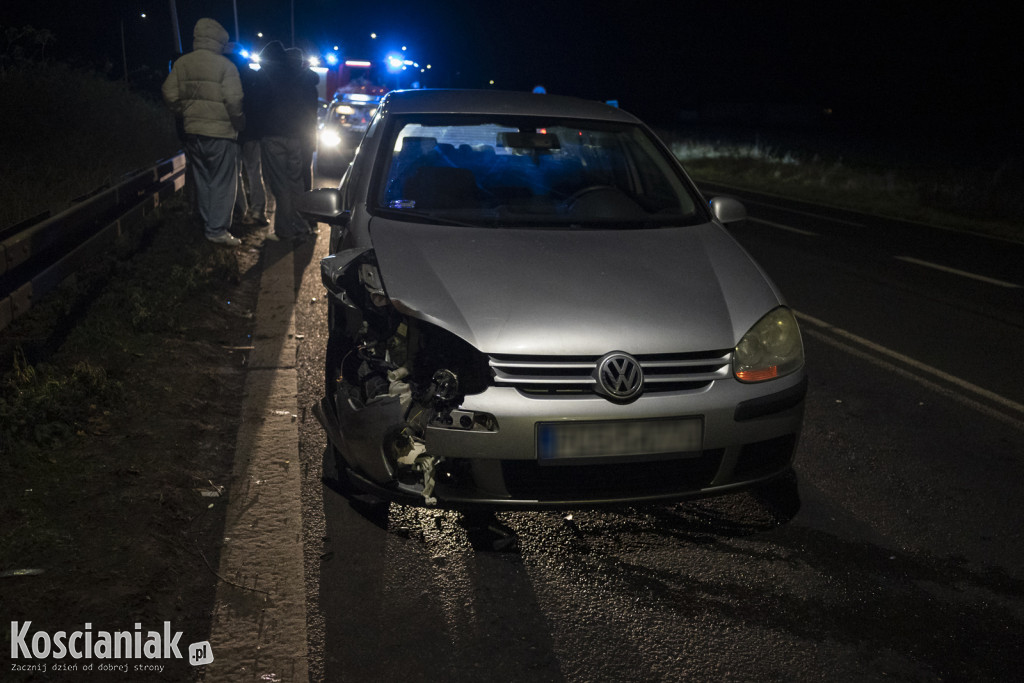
{"points": [[819, 216], [961, 273], [917, 365], [780, 226], [917, 379]]}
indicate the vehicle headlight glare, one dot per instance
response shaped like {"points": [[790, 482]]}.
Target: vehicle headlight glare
{"points": [[330, 137], [771, 349]]}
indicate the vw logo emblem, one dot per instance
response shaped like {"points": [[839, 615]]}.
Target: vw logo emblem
{"points": [[619, 376]]}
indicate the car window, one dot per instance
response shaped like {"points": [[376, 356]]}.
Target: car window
{"points": [[355, 116], [529, 171]]}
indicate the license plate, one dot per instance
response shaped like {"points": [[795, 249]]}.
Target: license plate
{"points": [[618, 438]]}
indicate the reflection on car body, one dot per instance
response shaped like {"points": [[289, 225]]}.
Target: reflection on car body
{"points": [[531, 305]]}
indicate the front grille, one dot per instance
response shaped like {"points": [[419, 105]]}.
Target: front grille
{"points": [[532, 480], [575, 374]]}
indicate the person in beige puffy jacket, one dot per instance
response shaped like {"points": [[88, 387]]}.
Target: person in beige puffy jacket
{"points": [[204, 89]]}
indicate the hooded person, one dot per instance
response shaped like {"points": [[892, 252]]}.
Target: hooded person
{"points": [[205, 90], [308, 81], [279, 100]]}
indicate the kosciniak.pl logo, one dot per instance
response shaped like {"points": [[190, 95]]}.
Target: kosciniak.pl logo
{"points": [[85, 645]]}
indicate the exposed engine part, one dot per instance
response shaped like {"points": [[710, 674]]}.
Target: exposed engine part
{"points": [[446, 385], [399, 387], [414, 450], [417, 460], [395, 378], [370, 278], [373, 380], [427, 465]]}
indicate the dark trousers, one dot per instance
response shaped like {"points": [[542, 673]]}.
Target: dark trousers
{"points": [[282, 169], [214, 169]]}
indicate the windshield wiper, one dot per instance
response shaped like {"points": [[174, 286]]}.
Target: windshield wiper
{"points": [[425, 217]]}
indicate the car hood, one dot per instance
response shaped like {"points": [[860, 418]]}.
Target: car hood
{"points": [[575, 292]]}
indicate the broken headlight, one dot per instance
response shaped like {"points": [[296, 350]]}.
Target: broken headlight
{"points": [[448, 363]]}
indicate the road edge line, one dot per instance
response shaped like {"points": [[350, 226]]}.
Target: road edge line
{"points": [[906, 360]]}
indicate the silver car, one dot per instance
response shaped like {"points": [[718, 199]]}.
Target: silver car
{"points": [[531, 305]]}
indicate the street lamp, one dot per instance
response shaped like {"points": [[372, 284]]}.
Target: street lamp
{"points": [[124, 49]]}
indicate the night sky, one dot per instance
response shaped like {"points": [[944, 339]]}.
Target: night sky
{"points": [[902, 67]]}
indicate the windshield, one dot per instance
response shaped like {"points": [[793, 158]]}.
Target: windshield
{"points": [[528, 171]]}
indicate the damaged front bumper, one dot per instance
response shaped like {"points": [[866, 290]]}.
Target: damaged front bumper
{"points": [[495, 463], [417, 415]]}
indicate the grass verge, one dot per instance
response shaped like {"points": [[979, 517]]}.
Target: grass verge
{"points": [[977, 198], [102, 317], [69, 131], [119, 414]]}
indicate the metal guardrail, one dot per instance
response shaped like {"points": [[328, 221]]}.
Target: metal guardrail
{"points": [[36, 258]]}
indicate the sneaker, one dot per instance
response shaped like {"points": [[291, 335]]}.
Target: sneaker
{"points": [[225, 238]]}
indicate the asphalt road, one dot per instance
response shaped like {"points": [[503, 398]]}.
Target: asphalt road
{"points": [[898, 557]]}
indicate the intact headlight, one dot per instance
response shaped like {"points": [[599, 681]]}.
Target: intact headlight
{"points": [[329, 137], [772, 348]]}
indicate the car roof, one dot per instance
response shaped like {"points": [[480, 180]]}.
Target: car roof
{"points": [[499, 102]]}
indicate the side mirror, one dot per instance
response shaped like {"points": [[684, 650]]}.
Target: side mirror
{"points": [[728, 210], [323, 205]]}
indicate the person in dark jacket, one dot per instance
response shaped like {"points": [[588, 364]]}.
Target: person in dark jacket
{"points": [[251, 195], [308, 80], [279, 99], [204, 89]]}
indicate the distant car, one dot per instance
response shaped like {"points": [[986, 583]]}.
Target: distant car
{"points": [[531, 305], [340, 128]]}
